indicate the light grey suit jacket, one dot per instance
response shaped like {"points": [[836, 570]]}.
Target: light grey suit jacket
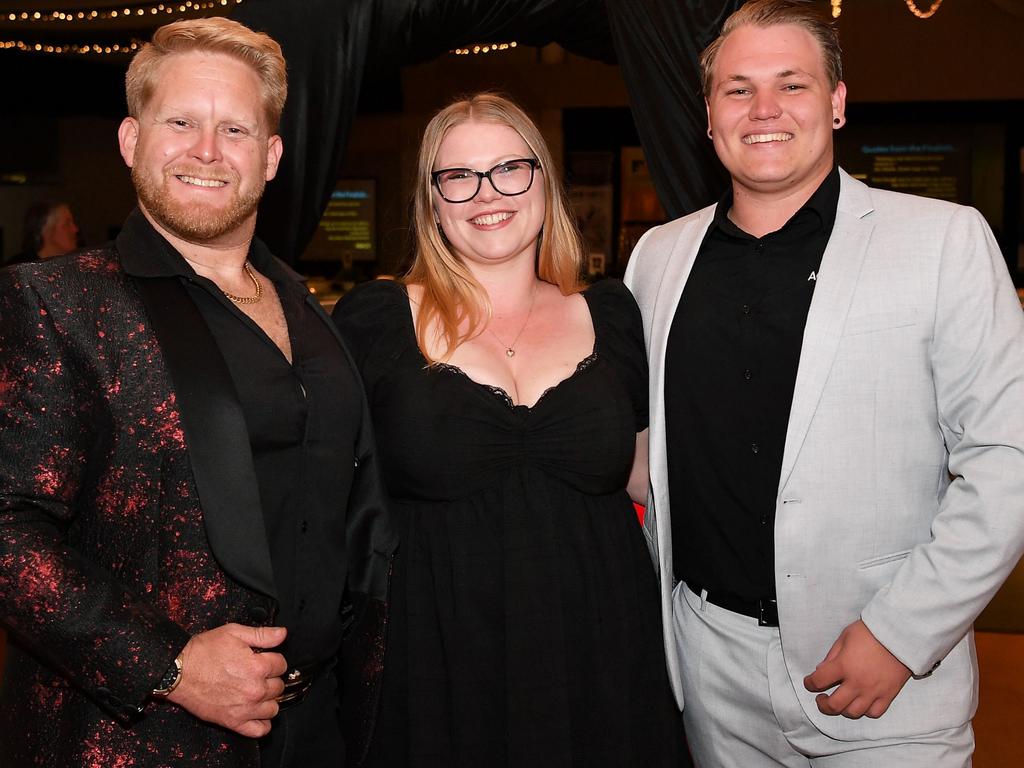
{"points": [[901, 497]]}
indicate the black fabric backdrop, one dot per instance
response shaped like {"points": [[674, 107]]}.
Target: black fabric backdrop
{"points": [[330, 45]]}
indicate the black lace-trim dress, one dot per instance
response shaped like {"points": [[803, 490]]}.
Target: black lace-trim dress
{"points": [[525, 627]]}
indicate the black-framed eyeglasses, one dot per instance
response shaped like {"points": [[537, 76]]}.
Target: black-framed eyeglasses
{"points": [[510, 178]]}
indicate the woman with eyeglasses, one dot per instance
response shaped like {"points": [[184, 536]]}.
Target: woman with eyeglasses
{"points": [[508, 404]]}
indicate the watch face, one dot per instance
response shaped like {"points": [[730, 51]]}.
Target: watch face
{"points": [[170, 679]]}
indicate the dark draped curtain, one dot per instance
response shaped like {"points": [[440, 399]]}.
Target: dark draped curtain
{"points": [[330, 46], [658, 43]]}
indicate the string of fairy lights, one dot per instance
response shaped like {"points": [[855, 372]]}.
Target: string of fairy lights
{"points": [[119, 11], [71, 19], [913, 7], [485, 48], [61, 19], [86, 48]]}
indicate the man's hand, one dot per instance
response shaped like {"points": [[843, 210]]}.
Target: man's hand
{"points": [[868, 676], [227, 681]]}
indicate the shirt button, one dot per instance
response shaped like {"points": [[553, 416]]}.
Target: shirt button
{"points": [[303, 526], [302, 605], [754, 448], [748, 375], [746, 309], [759, 247]]}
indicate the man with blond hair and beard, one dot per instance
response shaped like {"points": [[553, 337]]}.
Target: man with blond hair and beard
{"points": [[186, 453], [837, 431]]}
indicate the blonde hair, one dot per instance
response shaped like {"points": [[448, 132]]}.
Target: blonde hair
{"points": [[212, 35], [451, 295], [771, 13]]}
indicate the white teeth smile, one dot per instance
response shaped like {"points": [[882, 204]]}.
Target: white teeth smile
{"points": [[491, 218], [197, 182], [763, 138]]}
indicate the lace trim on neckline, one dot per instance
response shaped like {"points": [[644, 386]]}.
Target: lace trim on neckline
{"points": [[504, 396]]}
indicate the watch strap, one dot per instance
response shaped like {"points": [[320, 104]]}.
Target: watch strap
{"points": [[170, 679]]}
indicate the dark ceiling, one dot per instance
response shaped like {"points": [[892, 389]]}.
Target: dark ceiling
{"points": [[45, 67], [68, 57]]}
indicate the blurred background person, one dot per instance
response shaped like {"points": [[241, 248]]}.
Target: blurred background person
{"points": [[49, 230]]}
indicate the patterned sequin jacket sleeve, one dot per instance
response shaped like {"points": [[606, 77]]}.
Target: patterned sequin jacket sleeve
{"points": [[59, 479]]}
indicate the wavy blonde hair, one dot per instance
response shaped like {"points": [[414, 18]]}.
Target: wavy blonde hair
{"points": [[452, 297], [213, 35]]}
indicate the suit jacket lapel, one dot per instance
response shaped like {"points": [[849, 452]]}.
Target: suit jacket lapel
{"points": [[833, 293], [673, 280], [211, 415]]}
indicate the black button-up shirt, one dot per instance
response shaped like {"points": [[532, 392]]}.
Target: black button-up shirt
{"points": [[730, 369], [303, 418]]}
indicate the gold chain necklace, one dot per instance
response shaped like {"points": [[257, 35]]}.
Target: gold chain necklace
{"points": [[510, 349], [247, 299]]}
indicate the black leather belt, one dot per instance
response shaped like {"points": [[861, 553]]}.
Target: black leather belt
{"points": [[765, 610], [297, 682]]}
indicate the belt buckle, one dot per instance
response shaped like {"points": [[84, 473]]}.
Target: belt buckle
{"points": [[767, 613]]}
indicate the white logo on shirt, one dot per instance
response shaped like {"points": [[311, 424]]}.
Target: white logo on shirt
{"points": [[812, 277]]}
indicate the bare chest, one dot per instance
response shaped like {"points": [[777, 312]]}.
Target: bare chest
{"points": [[269, 316]]}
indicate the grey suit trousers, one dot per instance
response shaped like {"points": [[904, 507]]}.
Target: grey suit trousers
{"points": [[741, 709]]}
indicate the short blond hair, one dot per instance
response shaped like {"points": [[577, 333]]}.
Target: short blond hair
{"points": [[771, 13], [450, 292], [213, 35]]}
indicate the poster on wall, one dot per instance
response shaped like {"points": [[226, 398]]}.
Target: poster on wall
{"points": [[347, 229], [640, 208], [592, 205]]}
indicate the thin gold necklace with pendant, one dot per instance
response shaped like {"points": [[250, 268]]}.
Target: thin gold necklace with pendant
{"points": [[510, 349]]}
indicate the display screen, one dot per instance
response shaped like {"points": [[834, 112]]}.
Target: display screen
{"points": [[347, 229], [961, 162]]}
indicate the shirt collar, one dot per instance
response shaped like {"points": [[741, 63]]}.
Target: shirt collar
{"points": [[144, 252], [822, 203]]}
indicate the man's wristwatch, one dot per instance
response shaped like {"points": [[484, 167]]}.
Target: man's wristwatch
{"points": [[170, 679]]}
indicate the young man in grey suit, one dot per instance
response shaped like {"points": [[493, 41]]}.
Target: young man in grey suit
{"points": [[837, 429]]}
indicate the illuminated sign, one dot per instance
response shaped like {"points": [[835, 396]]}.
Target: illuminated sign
{"points": [[347, 229], [933, 161]]}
